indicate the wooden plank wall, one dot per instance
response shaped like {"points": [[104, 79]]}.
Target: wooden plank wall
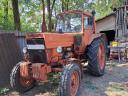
{"points": [[9, 55]]}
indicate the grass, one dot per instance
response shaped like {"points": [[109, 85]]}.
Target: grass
{"points": [[118, 87], [3, 90], [51, 87], [90, 85], [54, 78]]}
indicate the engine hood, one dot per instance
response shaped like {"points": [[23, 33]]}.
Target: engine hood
{"points": [[53, 40]]}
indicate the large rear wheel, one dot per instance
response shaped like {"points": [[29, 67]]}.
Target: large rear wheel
{"points": [[97, 57], [70, 80], [19, 83]]}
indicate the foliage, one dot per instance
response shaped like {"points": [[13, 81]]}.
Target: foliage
{"points": [[6, 22], [3, 90], [105, 7], [54, 78], [31, 11], [118, 87]]}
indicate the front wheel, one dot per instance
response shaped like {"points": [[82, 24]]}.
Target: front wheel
{"points": [[70, 80], [97, 57], [19, 83]]}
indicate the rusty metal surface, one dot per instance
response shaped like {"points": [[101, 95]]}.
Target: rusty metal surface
{"points": [[24, 69], [40, 71]]}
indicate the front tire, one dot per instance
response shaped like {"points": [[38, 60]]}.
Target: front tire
{"points": [[97, 57], [19, 83], [70, 80]]}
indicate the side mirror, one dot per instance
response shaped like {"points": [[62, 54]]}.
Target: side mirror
{"points": [[93, 13]]}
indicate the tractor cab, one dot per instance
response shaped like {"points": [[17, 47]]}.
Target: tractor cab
{"points": [[71, 22], [74, 22]]}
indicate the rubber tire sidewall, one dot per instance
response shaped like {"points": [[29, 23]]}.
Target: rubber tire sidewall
{"points": [[15, 82], [93, 60], [64, 89]]}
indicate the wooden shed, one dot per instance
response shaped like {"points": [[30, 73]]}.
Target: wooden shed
{"points": [[107, 25]]}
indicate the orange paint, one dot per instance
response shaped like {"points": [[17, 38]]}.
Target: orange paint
{"points": [[64, 40]]}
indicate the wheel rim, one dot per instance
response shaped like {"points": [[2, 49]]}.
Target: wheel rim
{"points": [[74, 83], [26, 82], [101, 56]]}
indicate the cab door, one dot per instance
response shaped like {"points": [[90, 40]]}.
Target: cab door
{"points": [[87, 31]]}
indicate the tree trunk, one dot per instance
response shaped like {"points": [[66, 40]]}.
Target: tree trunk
{"points": [[53, 5], [44, 27], [16, 15], [49, 14], [49, 8], [67, 5], [62, 5]]}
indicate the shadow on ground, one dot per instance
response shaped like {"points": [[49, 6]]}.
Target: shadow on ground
{"points": [[113, 83]]}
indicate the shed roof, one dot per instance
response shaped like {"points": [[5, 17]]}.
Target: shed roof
{"points": [[111, 14], [106, 23]]}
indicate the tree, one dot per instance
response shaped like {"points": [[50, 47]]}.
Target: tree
{"points": [[5, 3], [50, 9], [30, 17], [44, 27], [117, 3], [105, 7], [65, 5], [16, 15]]}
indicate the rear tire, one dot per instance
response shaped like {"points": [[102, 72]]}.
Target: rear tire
{"points": [[97, 57], [15, 80], [70, 80]]}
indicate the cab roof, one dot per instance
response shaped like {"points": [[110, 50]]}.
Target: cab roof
{"points": [[76, 11]]}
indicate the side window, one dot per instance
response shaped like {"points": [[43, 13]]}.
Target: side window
{"points": [[85, 22], [88, 22]]}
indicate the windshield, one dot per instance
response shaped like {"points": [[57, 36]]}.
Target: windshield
{"points": [[69, 23]]}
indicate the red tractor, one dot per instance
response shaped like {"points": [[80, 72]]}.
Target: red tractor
{"points": [[73, 43]]}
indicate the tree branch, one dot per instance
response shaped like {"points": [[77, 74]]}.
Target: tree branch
{"points": [[53, 4]]}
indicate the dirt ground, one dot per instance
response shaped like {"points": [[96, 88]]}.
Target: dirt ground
{"points": [[113, 83]]}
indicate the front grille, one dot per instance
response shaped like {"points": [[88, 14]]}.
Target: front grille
{"points": [[37, 56], [36, 50]]}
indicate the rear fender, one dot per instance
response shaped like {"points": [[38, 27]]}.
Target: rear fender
{"points": [[99, 35]]}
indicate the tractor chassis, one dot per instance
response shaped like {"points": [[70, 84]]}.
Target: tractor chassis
{"points": [[40, 71]]}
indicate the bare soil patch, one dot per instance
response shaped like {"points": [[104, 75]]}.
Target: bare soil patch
{"points": [[113, 83]]}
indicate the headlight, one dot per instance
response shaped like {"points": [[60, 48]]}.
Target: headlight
{"points": [[25, 50], [59, 49]]}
